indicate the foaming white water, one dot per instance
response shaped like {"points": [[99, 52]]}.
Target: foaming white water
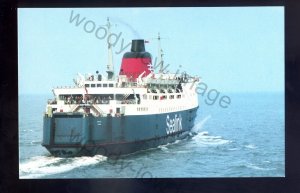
{"points": [[177, 141], [234, 149], [204, 139], [198, 126], [40, 166], [203, 133], [251, 146], [164, 147]]}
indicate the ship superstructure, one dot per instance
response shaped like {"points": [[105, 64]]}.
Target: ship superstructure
{"points": [[120, 114]]}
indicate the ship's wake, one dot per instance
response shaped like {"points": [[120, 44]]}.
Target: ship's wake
{"points": [[41, 166], [199, 137], [204, 139]]}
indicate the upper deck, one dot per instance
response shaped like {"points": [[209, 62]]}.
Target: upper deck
{"points": [[143, 96]]}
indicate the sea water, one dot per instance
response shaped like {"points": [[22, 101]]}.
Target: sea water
{"points": [[244, 140]]}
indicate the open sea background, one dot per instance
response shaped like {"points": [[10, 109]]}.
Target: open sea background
{"points": [[244, 140]]}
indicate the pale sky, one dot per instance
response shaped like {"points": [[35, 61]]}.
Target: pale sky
{"points": [[233, 49]]}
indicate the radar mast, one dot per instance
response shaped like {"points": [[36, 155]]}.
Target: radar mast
{"points": [[160, 55], [110, 65]]}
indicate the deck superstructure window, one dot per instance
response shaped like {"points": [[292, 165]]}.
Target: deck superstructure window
{"points": [[87, 85], [71, 98], [155, 97], [142, 108], [99, 85], [104, 85], [111, 85], [100, 98], [163, 97], [120, 97], [171, 97], [93, 85], [128, 98]]}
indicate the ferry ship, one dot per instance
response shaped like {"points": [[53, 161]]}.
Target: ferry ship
{"points": [[122, 113]]}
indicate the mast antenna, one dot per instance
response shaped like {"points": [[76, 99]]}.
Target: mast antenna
{"points": [[160, 55], [110, 65]]}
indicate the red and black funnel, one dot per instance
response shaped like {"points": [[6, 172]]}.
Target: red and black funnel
{"points": [[137, 61]]}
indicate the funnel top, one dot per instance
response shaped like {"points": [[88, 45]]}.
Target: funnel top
{"points": [[138, 45]]}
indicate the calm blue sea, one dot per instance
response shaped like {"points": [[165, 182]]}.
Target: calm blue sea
{"points": [[244, 140]]}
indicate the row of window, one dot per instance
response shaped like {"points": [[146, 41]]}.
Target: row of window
{"points": [[173, 90], [104, 85], [168, 109], [142, 109], [162, 97]]}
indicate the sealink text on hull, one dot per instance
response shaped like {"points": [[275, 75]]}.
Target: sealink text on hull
{"points": [[120, 114]]}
